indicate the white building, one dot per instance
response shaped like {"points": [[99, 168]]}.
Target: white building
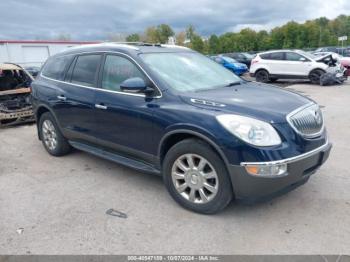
{"points": [[32, 53]]}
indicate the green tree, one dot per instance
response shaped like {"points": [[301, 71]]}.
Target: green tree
{"points": [[151, 35], [213, 44], [133, 38], [311, 34], [164, 32], [197, 43], [190, 32]]}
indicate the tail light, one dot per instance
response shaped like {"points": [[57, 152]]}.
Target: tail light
{"points": [[255, 61]]}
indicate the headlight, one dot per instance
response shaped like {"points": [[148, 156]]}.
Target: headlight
{"points": [[250, 130]]}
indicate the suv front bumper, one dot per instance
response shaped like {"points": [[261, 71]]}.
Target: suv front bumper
{"points": [[250, 188]]}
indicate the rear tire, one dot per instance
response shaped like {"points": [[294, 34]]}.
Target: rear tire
{"points": [[262, 76], [196, 177], [315, 76], [51, 137]]}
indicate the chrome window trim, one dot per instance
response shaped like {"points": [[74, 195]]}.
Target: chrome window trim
{"points": [[288, 160], [105, 90], [296, 130]]}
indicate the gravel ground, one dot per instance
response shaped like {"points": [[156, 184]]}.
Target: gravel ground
{"points": [[58, 205]]}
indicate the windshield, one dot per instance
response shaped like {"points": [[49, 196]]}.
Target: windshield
{"points": [[249, 56], [189, 71], [308, 55], [229, 59]]}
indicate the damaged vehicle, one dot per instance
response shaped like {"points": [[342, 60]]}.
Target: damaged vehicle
{"points": [[294, 64], [213, 136], [15, 106]]}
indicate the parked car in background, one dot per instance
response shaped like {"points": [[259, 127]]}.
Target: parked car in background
{"points": [[344, 51], [292, 64], [33, 70], [212, 135], [346, 65], [231, 64], [15, 106], [334, 55], [244, 58], [333, 49]]}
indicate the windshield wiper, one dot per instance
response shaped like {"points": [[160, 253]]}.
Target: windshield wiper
{"points": [[233, 84]]}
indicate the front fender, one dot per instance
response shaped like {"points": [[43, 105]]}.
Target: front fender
{"points": [[195, 131]]}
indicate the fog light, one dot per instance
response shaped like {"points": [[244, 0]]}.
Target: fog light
{"points": [[266, 170]]}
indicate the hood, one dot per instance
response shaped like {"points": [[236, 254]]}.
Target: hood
{"points": [[321, 57], [233, 65], [265, 102], [327, 58]]}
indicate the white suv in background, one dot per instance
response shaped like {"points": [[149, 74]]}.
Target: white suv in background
{"points": [[289, 64]]}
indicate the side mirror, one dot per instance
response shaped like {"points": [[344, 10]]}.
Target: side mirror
{"points": [[302, 59], [134, 84]]}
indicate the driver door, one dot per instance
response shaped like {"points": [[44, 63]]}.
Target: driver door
{"points": [[123, 119], [296, 64]]}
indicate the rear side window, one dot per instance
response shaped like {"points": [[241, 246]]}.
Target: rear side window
{"points": [[55, 68], [85, 70], [116, 70], [273, 56]]}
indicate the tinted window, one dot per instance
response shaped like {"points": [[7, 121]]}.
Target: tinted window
{"points": [[273, 56], [85, 70], [293, 56], [116, 70], [55, 67], [219, 60]]}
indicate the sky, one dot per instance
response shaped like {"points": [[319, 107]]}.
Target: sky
{"points": [[99, 19]]}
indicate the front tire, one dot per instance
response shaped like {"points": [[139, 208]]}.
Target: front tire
{"points": [[315, 76], [196, 177], [51, 137]]}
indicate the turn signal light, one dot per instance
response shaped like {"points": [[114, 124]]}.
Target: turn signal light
{"points": [[267, 170]]}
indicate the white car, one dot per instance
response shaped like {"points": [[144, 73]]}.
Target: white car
{"points": [[290, 64]]}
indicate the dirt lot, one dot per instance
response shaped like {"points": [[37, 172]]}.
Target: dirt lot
{"points": [[58, 205]]}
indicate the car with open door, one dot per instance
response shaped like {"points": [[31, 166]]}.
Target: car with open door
{"points": [[171, 111]]}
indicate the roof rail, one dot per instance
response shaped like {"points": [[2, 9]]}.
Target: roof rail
{"points": [[148, 44], [175, 46], [135, 43]]}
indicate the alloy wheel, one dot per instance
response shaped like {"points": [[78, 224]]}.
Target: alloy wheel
{"points": [[49, 135], [195, 178]]}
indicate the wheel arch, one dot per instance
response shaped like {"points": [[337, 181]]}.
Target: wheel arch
{"points": [[40, 110], [175, 136], [317, 68]]}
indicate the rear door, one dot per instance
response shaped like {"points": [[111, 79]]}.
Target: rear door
{"points": [[124, 120], [75, 105], [274, 62]]}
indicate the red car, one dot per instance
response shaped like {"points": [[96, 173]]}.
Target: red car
{"points": [[346, 64]]}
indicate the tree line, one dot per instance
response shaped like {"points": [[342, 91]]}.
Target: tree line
{"points": [[311, 34]]}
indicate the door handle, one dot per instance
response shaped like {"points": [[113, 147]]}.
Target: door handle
{"points": [[99, 106], [62, 98]]}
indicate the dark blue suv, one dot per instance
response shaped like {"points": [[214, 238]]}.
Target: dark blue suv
{"points": [[171, 111]]}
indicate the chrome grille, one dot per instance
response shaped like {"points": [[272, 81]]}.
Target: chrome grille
{"points": [[307, 121]]}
